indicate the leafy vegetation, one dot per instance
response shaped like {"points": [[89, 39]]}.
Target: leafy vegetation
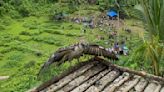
{"points": [[152, 47], [31, 30], [24, 49]]}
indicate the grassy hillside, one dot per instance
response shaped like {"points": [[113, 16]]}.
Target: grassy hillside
{"points": [[27, 43], [29, 34]]}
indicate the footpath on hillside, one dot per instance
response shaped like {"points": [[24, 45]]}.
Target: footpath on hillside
{"points": [[4, 77]]}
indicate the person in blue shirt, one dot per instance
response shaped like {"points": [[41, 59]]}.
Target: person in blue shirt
{"points": [[123, 49]]}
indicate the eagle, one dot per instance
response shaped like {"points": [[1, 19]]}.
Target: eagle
{"points": [[75, 52]]}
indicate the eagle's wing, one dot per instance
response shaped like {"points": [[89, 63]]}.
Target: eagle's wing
{"points": [[65, 49], [59, 57], [68, 53], [100, 51]]}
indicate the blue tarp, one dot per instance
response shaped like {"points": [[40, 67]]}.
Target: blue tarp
{"points": [[112, 13]]}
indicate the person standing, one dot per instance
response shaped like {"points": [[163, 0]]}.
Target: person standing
{"points": [[116, 47]]}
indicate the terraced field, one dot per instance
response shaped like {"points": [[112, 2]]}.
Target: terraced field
{"points": [[26, 43]]}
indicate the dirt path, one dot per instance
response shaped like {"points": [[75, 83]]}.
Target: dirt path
{"points": [[4, 77]]}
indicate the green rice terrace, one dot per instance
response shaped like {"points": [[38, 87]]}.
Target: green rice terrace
{"points": [[32, 30]]}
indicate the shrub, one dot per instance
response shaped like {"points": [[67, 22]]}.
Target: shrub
{"points": [[70, 35], [11, 64], [38, 54], [30, 64], [53, 32], [2, 27], [25, 33]]}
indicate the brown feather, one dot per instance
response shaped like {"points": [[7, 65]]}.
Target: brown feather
{"points": [[75, 51]]}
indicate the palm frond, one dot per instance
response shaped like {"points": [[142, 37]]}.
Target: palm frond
{"points": [[153, 12], [161, 32]]}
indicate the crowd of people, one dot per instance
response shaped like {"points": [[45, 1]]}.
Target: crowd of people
{"points": [[121, 48], [90, 22]]}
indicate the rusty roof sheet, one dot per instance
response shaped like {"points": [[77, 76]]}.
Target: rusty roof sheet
{"points": [[99, 75]]}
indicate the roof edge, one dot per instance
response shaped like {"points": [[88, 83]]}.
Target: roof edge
{"points": [[103, 61], [139, 73], [60, 76]]}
